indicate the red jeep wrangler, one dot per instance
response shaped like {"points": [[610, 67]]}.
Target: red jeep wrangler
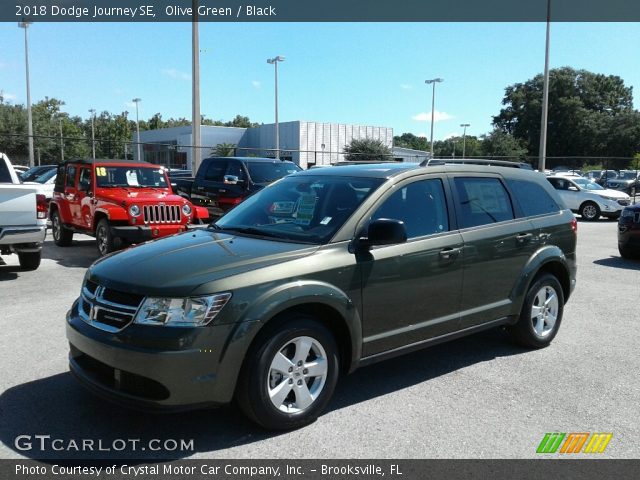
{"points": [[120, 202]]}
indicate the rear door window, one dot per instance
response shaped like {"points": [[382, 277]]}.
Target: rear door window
{"points": [[482, 201], [532, 198], [71, 176]]}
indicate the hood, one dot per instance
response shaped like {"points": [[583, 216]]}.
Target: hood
{"points": [[176, 265], [142, 195], [618, 195]]}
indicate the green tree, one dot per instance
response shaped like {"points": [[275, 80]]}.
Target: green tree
{"points": [[223, 150], [584, 110], [409, 140], [453, 146], [502, 144], [367, 149]]}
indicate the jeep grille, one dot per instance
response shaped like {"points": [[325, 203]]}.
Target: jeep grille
{"points": [[162, 214]]}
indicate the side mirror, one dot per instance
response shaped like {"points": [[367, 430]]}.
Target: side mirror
{"points": [[384, 231], [573, 188], [232, 180]]}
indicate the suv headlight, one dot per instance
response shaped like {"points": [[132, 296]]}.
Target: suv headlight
{"points": [[134, 210], [186, 209], [181, 312]]}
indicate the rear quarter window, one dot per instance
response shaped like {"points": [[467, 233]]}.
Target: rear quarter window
{"points": [[482, 201], [532, 198]]}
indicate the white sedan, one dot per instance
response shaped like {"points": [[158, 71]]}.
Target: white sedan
{"points": [[589, 199]]}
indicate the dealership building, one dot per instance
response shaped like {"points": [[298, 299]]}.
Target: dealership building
{"points": [[305, 143]]}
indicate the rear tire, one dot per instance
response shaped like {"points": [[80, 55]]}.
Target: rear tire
{"points": [[626, 252], [62, 237], [104, 239], [541, 313], [590, 211], [289, 376], [29, 260]]}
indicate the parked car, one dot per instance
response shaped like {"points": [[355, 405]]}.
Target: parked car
{"points": [[318, 274], [23, 218], [589, 199], [175, 174], [629, 232], [628, 181], [34, 172], [20, 169], [120, 202], [45, 183], [221, 183], [606, 176]]}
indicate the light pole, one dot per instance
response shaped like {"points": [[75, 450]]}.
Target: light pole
{"points": [[274, 61], [545, 98], [25, 25], [136, 101], [93, 132], [61, 142], [433, 82], [464, 137], [195, 89]]}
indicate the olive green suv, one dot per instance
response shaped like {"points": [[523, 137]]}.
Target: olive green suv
{"points": [[318, 274]]}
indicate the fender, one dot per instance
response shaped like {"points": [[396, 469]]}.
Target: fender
{"points": [[265, 308], [113, 212], [546, 254], [199, 213]]}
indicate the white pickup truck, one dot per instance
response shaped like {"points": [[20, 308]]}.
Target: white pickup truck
{"points": [[23, 217]]}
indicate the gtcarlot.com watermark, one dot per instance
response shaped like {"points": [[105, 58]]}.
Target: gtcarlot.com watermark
{"points": [[46, 443]]}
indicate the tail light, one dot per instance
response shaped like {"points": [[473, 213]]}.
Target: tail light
{"points": [[574, 226], [41, 206]]}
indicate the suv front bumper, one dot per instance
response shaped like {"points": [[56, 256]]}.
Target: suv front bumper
{"points": [[142, 233], [165, 370]]}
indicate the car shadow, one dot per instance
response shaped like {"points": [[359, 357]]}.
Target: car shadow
{"points": [[80, 254], [8, 272], [57, 406], [619, 262]]}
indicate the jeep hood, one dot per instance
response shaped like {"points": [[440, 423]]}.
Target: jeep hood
{"points": [[142, 195], [176, 265]]}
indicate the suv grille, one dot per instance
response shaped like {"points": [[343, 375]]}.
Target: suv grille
{"points": [[107, 309], [162, 214]]}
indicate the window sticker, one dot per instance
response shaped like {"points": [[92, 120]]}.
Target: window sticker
{"points": [[282, 208], [306, 209], [325, 220], [101, 172]]}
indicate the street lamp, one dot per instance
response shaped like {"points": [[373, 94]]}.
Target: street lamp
{"points": [[464, 137], [545, 98], [274, 61], [136, 101], [433, 103], [25, 25], [93, 132]]}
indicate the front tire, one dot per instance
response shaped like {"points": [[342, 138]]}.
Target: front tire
{"points": [[289, 376], [541, 313], [62, 237], [626, 252], [104, 239], [29, 260], [590, 211]]}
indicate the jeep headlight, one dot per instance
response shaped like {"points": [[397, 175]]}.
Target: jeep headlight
{"points": [[134, 210], [181, 312], [186, 209]]}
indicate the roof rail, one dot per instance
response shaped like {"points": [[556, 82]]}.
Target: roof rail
{"points": [[105, 160], [475, 161]]}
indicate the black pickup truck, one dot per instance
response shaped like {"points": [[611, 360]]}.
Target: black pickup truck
{"points": [[221, 183]]}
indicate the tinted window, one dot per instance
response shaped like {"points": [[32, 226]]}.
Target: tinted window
{"points": [[420, 205], [482, 201], [235, 168], [5, 175], [267, 172], [216, 171], [85, 177], [71, 176], [533, 199]]}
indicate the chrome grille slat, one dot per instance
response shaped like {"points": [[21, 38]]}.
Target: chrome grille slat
{"points": [[99, 308], [162, 214]]}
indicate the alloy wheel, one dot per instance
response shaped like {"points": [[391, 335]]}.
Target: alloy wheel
{"points": [[544, 311]]}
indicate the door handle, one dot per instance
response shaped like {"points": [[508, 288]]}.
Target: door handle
{"points": [[524, 237], [447, 253]]}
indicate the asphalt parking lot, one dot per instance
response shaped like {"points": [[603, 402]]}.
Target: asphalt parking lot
{"points": [[478, 397]]}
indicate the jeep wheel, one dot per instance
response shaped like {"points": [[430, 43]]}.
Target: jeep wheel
{"points": [[62, 237], [289, 378], [590, 211], [541, 313], [104, 239], [29, 260]]}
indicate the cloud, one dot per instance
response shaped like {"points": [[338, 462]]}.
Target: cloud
{"points": [[437, 116], [8, 96], [451, 135], [130, 104], [405, 86], [422, 134], [176, 74], [256, 84]]}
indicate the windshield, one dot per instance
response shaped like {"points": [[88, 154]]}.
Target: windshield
{"points": [[46, 176], [305, 209], [630, 175], [586, 184], [131, 177], [267, 172]]}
